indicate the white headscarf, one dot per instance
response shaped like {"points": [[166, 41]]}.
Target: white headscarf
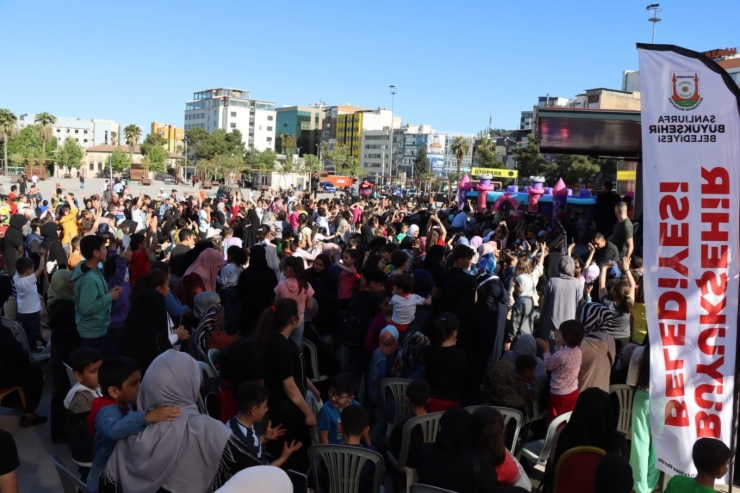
{"points": [[525, 282], [258, 479]]}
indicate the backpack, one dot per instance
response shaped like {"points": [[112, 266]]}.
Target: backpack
{"points": [[218, 398], [355, 321]]}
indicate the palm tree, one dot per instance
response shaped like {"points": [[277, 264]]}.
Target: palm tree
{"points": [[7, 128], [114, 138], [460, 148], [46, 120], [132, 134]]}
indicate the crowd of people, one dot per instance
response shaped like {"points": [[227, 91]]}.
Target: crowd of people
{"points": [[505, 307]]}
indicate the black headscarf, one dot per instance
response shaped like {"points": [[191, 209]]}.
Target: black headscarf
{"points": [[250, 233], [433, 264], [455, 430], [256, 288], [145, 331], [52, 245], [13, 240], [591, 424]]}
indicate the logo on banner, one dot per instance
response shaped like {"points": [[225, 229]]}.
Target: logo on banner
{"points": [[685, 95]]}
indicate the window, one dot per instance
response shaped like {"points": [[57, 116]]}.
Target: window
{"points": [[269, 139], [233, 113], [59, 130], [269, 129], [100, 166], [269, 118], [260, 127], [77, 131], [233, 125], [85, 140], [92, 165], [85, 132]]}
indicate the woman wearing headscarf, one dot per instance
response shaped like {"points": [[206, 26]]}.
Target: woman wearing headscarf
{"points": [[193, 453], [256, 288], [200, 276], [64, 340], [146, 330], [560, 300], [209, 316], [592, 424], [50, 242], [259, 479], [433, 264], [13, 240], [598, 348], [325, 293], [250, 227], [490, 306], [423, 286], [451, 463], [408, 361]]}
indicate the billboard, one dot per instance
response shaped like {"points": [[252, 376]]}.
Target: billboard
{"points": [[436, 144], [436, 162]]}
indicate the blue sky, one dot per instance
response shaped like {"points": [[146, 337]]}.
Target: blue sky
{"points": [[451, 62]]}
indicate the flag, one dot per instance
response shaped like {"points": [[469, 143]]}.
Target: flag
{"points": [[691, 151]]}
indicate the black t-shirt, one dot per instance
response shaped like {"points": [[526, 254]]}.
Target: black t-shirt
{"points": [[8, 454], [446, 372], [282, 359], [458, 292], [609, 253], [623, 231]]}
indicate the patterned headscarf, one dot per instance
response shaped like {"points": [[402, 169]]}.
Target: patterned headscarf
{"points": [[595, 317], [487, 263]]}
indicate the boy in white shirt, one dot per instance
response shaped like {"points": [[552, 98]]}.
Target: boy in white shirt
{"points": [[404, 302], [27, 296]]}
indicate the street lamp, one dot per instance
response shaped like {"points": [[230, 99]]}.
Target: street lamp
{"points": [[390, 133], [655, 7]]}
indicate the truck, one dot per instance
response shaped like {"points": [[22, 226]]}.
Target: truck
{"points": [[36, 169], [338, 181]]}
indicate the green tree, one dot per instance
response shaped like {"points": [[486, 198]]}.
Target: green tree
{"points": [[152, 140], [311, 164], [46, 120], [120, 161], [487, 158], [70, 155], [460, 148], [571, 168], [266, 162], [286, 168], [155, 160], [421, 163], [28, 143], [529, 161], [220, 142], [252, 159], [114, 138], [336, 155], [351, 167], [7, 129], [132, 134], [195, 137]]}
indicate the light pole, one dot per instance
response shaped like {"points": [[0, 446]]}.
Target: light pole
{"points": [[390, 133], [655, 7]]}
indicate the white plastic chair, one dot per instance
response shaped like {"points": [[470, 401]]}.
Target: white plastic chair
{"points": [[20, 335], [397, 387], [70, 374], [508, 414], [425, 488], [70, 482], [429, 424], [626, 395], [344, 464], [213, 357], [206, 369], [313, 359], [316, 405], [537, 451]]}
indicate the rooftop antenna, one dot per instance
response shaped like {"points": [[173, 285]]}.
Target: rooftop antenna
{"points": [[655, 7]]}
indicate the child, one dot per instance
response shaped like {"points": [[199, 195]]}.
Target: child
{"points": [[295, 287], [93, 300], [386, 251], [85, 363], [140, 258], [526, 379], [74, 255], [228, 241], [27, 296], [354, 427], [404, 302], [347, 279], [342, 394], [523, 312], [711, 458], [229, 275], [564, 365], [402, 234], [417, 396], [111, 418], [251, 400]]}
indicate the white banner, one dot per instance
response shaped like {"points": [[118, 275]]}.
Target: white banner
{"points": [[691, 176]]}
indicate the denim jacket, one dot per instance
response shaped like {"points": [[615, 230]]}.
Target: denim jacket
{"points": [[111, 424]]}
